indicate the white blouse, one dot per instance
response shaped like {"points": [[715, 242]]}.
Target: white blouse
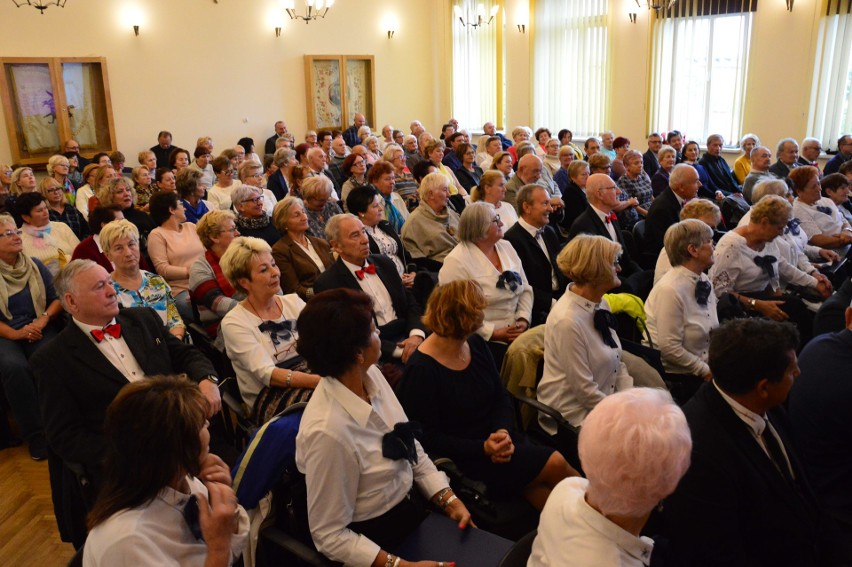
{"points": [[678, 325], [505, 307], [816, 222], [508, 214], [339, 450], [579, 368], [795, 247], [735, 270], [253, 353]]}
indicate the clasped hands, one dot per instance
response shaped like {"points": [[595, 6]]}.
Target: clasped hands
{"points": [[499, 446]]}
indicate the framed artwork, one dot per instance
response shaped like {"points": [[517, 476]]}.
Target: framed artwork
{"points": [[338, 87]]}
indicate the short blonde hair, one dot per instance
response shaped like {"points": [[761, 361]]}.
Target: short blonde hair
{"points": [[681, 235], [55, 160], [117, 230], [105, 194], [700, 208], [431, 182], [589, 259], [773, 209], [7, 220], [455, 310], [488, 179], [432, 145], [316, 186], [100, 174], [210, 225], [236, 261], [246, 167], [14, 188], [46, 183], [143, 155], [281, 212]]}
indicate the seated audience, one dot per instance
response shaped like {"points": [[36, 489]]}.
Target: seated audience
{"points": [[453, 389], [836, 187], [582, 353], [381, 176], [142, 515], [28, 305], [251, 219], [551, 157], [435, 153], [316, 194], [787, 154], [165, 180], [90, 247], [250, 173], [59, 210], [742, 167], [635, 447], [750, 267], [142, 186], [681, 309], [179, 159], [135, 287], [174, 247], [468, 173], [49, 241], [667, 156], [665, 210], [190, 187], [341, 455], [397, 312], [483, 256], [300, 256], [404, 184], [504, 162], [210, 291], [97, 178], [354, 170], [574, 191], [702, 209], [260, 332], [636, 189], [691, 153], [621, 146], [492, 190], [745, 484], [717, 168], [219, 195], [364, 203], [430, 231], [761, 157], [201, 164], [118, 192], [58, 168], [284, 160]]}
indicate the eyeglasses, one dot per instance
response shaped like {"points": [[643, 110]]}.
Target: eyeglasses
{"points": [[256, 200], [496, 219], [55, 190], [10, 233]]}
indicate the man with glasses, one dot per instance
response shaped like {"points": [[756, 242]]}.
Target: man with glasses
{"points": [[665, 210], [844, 154], [810, 152], [649, 158], [74, 146]]}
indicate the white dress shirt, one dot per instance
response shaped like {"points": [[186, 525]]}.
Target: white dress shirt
{"points": [[663, 265], [678, 325], [505, 307], [252, 352], [116, 352], [735, 270], [608, 224], [372, 285], [339, 449], [156, 534], [579, 368], [534, 232], [573, 534]]}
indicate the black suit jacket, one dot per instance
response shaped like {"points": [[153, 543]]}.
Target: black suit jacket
{"points": [[539, 268], [590, 223], [407, 309], [781, 170], [269, 145], [663, 212], [732, 507], [278, 185], [77, 383], [650, 163]]}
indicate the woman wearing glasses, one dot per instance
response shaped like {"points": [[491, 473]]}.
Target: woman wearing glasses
{"points": [[251, 218], [60, 210], [354, 169], [51, 242], [219, 195], [483, 256]]}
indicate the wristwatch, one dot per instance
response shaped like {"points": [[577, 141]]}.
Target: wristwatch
{"points": [[212, 378]]}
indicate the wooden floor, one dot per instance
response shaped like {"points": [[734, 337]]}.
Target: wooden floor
{"points": [[28, 534]]}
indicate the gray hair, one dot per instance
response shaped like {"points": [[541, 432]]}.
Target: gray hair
{"points": [[7, 219], [678, 173], [430, 183], [715, 138], [316, 185], [332, 227], [64, 281], [766, 187], [666, 149], [408, 138], [391, 149], [780, 147], [282, 211], [474, 222], [525, 148], [681, 235], [281, 156], [243, 193], [759, 147], [749, 136]]}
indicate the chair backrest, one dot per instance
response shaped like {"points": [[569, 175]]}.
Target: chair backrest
{"points": [[77, 560], [520, 552]]}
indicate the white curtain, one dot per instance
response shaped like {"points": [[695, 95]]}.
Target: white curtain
{"points": [[698, 71], [829, 115], [475, 60], [571, 65]]}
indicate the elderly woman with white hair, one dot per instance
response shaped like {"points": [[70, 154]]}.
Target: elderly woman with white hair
{"points": [[404, 184], [316, 193], [635, 446], [483, 256], [260, 332], [681, 309], [750, 267], [58, 168], [667, 156], [374, 154], [135, 287], [252, 221], [583, 362], [300, 256], [430, 232]]}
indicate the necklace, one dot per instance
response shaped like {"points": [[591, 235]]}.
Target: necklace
{"points": [[257, 311]]}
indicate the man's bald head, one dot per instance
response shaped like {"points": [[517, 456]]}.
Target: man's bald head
{"points": [[529, 168], [601, 192]]}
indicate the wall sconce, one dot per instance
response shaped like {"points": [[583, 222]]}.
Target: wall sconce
{"points": [[522, 17], [390, 23], [789, 5], [277, 31], [136, 30], [522, 28], [390, 33], [632, 16]]}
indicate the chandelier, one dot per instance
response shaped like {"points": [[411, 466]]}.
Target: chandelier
{"points": [[657, 5], [479, 20], [313, 9], [40, 5]]}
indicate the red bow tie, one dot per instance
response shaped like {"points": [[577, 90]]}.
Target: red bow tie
{"points": [[113, 330], [368, 269], [611, 217]]}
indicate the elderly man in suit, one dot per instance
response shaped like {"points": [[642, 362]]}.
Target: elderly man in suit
{"points": [[844, 154], [599, 218], [649, 158], [745, 500], [280, 132], [537, 246], [396, 312], [100, 351], [665, 210], [787, 158]]}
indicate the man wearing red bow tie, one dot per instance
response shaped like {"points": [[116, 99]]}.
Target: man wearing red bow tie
{"points": [[100, 351], [396, 311]]}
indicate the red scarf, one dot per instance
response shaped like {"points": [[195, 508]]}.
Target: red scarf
{"points": [[220, 277]]}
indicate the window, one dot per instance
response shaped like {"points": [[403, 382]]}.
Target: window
{"points": [[699, 68], [829, 116], [476, 60], [571, 65]]}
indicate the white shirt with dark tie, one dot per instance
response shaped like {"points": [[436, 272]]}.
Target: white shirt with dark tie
{"points": [[536, 234], [605, 220]]}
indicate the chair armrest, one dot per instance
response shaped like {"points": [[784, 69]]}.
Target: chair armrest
{"points": [[294, 547], [448, 467], [548, 411]]}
